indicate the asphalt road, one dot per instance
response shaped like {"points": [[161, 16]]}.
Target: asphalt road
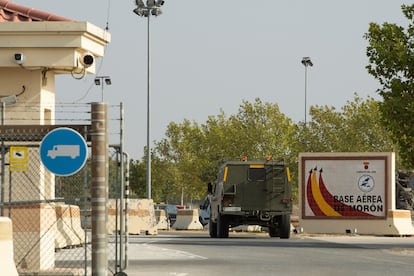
{"points": [[194, 253]]}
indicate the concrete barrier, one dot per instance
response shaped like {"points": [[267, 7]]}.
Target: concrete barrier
{"points": [[34, 228], [68, 225], [401, 222], [142, 217], [162, 220], [187, 220], [6, 248], [113, 216]]}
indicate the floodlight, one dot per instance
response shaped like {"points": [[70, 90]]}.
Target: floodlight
{"points": [[159, 3], [140, 3], [150, 3], [156, 11], [306, 61], [139, 11]]}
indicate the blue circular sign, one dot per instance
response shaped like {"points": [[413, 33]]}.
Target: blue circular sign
{"points": [[63, 151]]}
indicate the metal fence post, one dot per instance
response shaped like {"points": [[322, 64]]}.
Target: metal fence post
{"points": [[99, 188], [121, 154], [3, 160], [126, 195], [85, 210]]}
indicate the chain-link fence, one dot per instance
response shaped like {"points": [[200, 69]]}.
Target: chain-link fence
{"points": [[51, 215]]}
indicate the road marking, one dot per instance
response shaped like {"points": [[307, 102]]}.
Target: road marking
{"points": [[165, 253]]}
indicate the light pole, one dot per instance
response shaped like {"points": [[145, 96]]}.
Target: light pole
{"points": [[306, 61], [152, 7], [100, 80]]}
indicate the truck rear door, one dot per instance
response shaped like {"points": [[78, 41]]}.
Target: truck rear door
{"points": [[250, 185], [278, 188]]}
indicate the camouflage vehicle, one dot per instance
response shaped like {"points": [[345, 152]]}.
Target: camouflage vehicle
{"points": [[404, 186], [251, 193]]}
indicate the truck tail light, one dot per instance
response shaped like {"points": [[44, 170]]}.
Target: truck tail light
{"points": [[287, 200], [227, 201]]}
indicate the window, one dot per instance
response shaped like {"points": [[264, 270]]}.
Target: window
{"points": [[257, 174]]}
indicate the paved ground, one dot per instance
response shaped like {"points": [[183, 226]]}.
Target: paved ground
{"points": [[143, 247]]}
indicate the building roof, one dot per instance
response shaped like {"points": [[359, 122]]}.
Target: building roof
{"points": [[10, 12]]}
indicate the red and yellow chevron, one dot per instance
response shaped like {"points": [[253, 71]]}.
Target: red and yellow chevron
{"points": [[322, 202]]}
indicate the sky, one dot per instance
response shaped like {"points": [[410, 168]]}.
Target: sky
{"points": [[210, 56]]}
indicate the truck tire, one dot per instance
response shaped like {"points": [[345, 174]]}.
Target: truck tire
{"points": [[284, 226], [273, 231], [212, 229], [222, 226]]}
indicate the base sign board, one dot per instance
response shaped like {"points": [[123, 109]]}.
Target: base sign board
{"points": [[344, 187], [63, 151]]}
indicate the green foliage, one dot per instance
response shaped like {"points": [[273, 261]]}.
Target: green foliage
{"points": [[355, 129], [188, 157], [190, 154], [137, 174], [391, 62]]}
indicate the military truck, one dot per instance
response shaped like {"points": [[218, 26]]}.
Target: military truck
{"points": [[251, 193]]}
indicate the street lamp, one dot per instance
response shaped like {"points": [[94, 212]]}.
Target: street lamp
{"points": [[99, 80], [306, 61], [153, 7]]}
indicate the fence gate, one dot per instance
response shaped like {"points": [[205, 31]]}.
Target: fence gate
{"points": [[51, 215]]}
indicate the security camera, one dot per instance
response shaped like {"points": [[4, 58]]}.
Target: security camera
{"points": [[19, 58], [87, 60]]}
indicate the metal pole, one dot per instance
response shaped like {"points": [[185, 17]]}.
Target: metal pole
{"points": [[148, 110], [306, 80], [121, 154], [118, 156], [99, 189], [3, 160], [102, 98], [126, 209], [10, 191], [85, 210]]}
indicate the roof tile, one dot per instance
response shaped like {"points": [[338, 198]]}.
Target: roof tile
{"points": [[10, 12]]}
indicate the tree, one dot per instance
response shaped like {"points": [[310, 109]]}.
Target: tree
{"points": [[353, 129], [188, 158], [178, 161], [193, 153], [137, 178], [391, 62]]}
